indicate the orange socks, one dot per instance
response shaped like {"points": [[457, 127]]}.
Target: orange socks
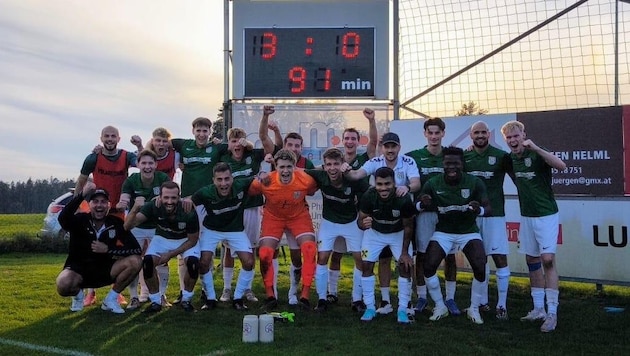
{"points": [[266, 268], [309, 254]]}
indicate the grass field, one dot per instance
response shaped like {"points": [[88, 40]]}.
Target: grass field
{"points": [[26, 224], [37, 321]]}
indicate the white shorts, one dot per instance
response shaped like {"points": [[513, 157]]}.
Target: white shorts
{"points": [[143, 236], [160, 245], [374, 242], [329, 231], [453, 242], [237, 241], [251, 219], [201, 214], [538, 235], [425, 227], [494, 235]]}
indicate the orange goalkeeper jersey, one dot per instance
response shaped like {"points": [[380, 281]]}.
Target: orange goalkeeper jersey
{"points": [[285, 201]]}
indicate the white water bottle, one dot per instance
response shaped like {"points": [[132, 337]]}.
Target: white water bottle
{"points": [[250, 328], [265, 328]]}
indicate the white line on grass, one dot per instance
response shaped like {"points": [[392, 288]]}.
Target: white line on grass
{"points": [[50, 349]]}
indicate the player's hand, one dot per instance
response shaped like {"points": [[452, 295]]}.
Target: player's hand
{"points": [[402, 190], [268, 110], [406, 261], [469, 148], [263, 178], [139, 201], [530, 145], [345, 167], [97, 149], [164, 258], [426, 200], [122, 205], [368, 113], [136, 141], [158, 202], [216, 141], [188, 205], [474, 206], [99, 247], [367, 222], [88, 189]]}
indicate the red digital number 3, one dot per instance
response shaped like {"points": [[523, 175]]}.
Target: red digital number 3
{"points": [[268, 41]]}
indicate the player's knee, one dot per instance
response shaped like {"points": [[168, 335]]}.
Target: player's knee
{"points": [[266, 254], [547, 262], [308, 249], [534, 266], [247, 262], [147, 267], [192, 265]]}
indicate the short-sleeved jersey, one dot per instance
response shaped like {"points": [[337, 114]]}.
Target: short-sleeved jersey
{"points": [[134, 187], [490, 166], [247, 167], [198, 163], [533, 182], [405, 169], [175, 226], [285, 201], [224, 214], [387, 215], [451, 202], [339, 203], [428, 164]]}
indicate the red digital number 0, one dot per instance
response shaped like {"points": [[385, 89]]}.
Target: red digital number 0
{"points": [[350, 47], [268, 41], [297, 79]]}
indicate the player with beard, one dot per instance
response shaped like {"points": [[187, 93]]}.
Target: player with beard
{"points": [[490, 164], [406, 179], [109, 168], [176, 233], [351, 141], [459, 198], [339, 215], [538, 235], [243, 164], [285, 208], [137, 189], [224, 200], [101, 251], [387, 220]]}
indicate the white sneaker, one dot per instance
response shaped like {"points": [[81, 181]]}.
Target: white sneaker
{"points": [[226, 295], [293, 299], [250, 296], [535, 314], [385, 308], [473, 315], [112, 306], [551, 321], [77, 302], [134, 303], [439, 313]]}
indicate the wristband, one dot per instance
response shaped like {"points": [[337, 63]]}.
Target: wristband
{"points": [[481, 211], [419, 206]]}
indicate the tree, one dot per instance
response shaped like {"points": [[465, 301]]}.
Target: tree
{"points": [[471, 108], [218, 126]]}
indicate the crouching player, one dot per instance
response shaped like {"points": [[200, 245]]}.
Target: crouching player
{"points": [[388, 221], [177, 232]]}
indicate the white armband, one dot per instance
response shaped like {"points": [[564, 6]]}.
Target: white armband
{"points": [[481, 211]]}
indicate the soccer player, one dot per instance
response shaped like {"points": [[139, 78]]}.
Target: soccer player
{"points": [[388, 221], [351, 140], [109, 168], [167, 157], [490, 164], [224, 203], [429, 161], [137, 189], [538, 234], [407, 179], [101, 251], [243, 163], [286, 209], [458, 198], [176, 233], [339, 215]]}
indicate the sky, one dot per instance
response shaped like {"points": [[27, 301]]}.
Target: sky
{"points": [[69, 68]]}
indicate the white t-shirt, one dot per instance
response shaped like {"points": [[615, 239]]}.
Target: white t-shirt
{"points": [[405, 169]]}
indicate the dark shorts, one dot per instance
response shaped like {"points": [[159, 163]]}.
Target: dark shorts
{"points": [[95, 274], [386, 253]]}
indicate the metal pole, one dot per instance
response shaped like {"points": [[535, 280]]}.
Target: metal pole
{"points": [[396, 34], [616, 52]]}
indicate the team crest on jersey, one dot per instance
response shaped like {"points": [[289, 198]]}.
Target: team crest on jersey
{"points": [[396, 213], [112, 234], [181, 225], [248, 160], [528, 162], [492, 160], [347, 191], [400, 176], [156, 190], [297, 195], [209, 149], [355, 164], [465, 193], [240, 195]]}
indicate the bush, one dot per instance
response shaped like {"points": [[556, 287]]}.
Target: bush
{"points": [[25, 243]]}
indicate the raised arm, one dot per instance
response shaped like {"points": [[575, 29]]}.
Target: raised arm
{"points": [[372, 133], [263, 130], [551, 159]]}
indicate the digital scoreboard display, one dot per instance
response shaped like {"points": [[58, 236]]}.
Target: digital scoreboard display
{"points": [[309, 62]]}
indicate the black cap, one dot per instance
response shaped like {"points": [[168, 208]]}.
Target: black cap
{"points": [[391, 137], [98, 192]]}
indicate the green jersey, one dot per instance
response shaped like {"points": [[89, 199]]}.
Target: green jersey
{"points": [[490, 166], [248, 166], [428, 164], [135, 188], [451, 202], [387, 214], [198, 163], [225, 214], [533, 182], [358, 162], [175, 226], [339, 203]]}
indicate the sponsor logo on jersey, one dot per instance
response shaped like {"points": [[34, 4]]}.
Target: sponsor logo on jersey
{"points": [[396, 213], [528, 162], [181, 225], [240, 195], [248, 160], [492, 160], [465, 193]]}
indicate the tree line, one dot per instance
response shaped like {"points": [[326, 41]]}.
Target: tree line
{"points": [[32, 196]]}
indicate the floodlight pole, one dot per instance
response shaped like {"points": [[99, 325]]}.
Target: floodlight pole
{"points": [[616, 52]]}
